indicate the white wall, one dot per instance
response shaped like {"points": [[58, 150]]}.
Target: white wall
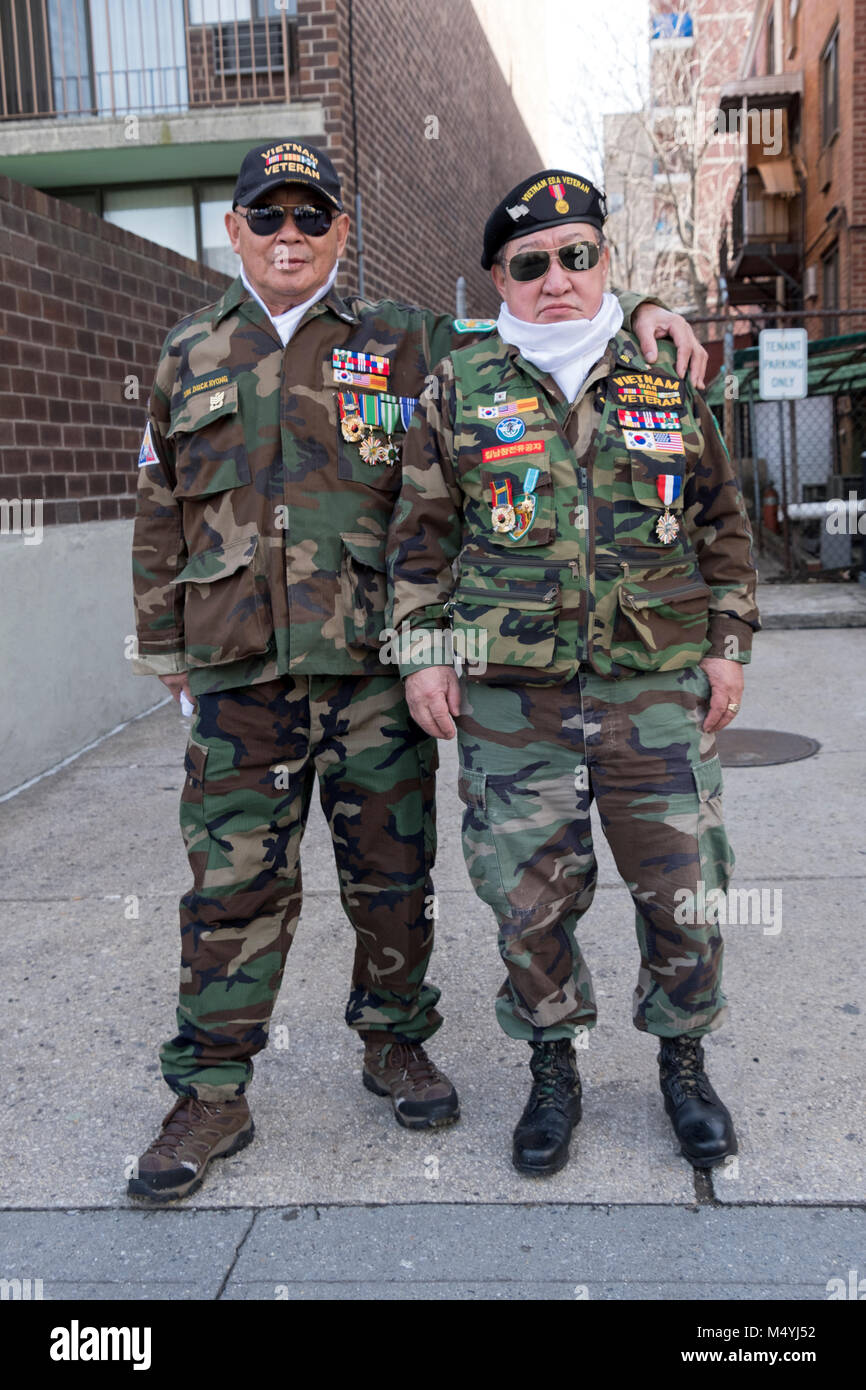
{"points": [[65, 609]]}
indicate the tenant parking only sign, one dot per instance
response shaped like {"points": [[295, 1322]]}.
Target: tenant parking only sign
{"points": [[783, 357]]}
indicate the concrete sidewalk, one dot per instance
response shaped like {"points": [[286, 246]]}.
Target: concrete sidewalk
{"points": [[90, 991]]}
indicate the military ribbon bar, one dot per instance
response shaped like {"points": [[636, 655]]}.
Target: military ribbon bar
{"points": [[669, 486], [500, 493], [344, 360], [377, 410]]}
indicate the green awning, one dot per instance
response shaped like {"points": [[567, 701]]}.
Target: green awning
{"points": [[836, 366]]}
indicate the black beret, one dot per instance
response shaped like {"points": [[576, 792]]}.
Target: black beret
{"points": [[286, 161], [544, 200]]}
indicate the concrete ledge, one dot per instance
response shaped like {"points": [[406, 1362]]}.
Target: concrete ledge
{"points": [[67, 610], [793, 606]]}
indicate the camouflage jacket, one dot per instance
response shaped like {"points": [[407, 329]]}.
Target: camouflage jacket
{"points": [[259, 539], [547, 534]]}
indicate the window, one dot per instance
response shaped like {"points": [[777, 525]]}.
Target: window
{"points": [[830, 290], [186, 217], [671, 26], [830, 88], [161, 213], [248, 34], [215, 200]]}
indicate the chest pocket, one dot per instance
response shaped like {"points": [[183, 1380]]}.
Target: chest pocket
{"points": [[209, 443], [372, 455], [529, 518]]}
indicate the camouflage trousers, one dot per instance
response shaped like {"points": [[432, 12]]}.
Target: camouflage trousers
{"points": [[532, 760], [251, 761]]}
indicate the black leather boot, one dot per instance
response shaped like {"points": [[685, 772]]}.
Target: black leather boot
{"points": [[543, 1132], [701, 1122]]}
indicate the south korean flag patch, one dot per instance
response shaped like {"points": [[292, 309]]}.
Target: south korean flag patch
{"points": [[147, 454]]}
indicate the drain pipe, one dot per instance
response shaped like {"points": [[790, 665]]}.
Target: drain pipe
{"points": [[359, 225]]}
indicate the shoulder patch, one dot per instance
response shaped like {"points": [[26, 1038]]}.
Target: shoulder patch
{"points": [[147, 454], [474, 325]]}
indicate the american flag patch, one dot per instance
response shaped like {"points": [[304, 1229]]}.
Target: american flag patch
{"points": [[662, 441]]}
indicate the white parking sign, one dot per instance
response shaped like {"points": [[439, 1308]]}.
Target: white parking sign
{"points": [[783, 358]]}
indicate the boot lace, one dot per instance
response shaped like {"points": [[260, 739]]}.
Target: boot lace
{"points": [[177, 1125], [685, 1070], [552, 1085], [414, 1063]]}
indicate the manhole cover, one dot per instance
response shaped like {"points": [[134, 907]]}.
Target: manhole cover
{"points": [[762, 747]]}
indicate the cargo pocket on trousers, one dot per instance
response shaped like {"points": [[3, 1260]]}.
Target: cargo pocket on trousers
{"points": [[193, 825], [479, 846], [428, 759], [716, 855]]}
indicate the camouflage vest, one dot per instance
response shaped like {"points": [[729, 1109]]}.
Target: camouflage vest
{"points": [[576, 540]]}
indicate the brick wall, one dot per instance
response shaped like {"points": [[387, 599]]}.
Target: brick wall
{"points": [[846, 159], [425, 200], [87, 305]]}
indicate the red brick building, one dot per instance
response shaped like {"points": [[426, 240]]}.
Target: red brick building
{"points": [[798, 226]]}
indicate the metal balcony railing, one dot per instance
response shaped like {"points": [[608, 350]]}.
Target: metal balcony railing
{"points": [[66, 58], [758, 216]]}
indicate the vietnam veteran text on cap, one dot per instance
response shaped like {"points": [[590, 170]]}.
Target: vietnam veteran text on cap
{"points": [[286, 161], [544, 200]]}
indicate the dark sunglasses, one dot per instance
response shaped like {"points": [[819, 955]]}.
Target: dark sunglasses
{"points": [[531, 265], [309, 221]]}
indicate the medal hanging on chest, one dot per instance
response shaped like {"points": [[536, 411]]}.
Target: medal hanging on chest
{"points": [[510, 517], [503, 517], [669, 486], [360, 416]]}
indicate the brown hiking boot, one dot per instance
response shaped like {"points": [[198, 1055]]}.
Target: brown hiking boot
{"points": [[421, 1095], [193, 1132]]}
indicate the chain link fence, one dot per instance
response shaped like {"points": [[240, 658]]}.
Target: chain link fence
{"points": [[801, 463]]}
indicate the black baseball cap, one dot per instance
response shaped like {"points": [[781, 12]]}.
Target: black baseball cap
{"points": [[545, 200], [286, 161]]}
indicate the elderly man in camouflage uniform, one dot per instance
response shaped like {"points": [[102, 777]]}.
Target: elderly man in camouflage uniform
{"points": [[604, 602], [267, 478]]}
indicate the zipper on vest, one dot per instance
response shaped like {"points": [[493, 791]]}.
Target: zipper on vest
{"points": [[684, 586], [516, 557], [500, 599], [613, 567]]}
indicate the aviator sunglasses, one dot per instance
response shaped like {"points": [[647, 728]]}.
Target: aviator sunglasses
{"points": [[531, 265], [309, 221]]}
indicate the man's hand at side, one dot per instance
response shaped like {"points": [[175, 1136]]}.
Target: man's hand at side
{"points": [[726, 687], [650, 321], [433, 695], [178, 683]]}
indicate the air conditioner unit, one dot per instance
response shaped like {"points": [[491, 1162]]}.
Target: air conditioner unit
{"points": [[810, 282]]}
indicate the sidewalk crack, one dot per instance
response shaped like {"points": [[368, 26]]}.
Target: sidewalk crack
{"points": [[238, 1248]]}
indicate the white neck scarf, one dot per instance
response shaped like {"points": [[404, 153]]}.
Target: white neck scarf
{"points": [[566, 350], [286, 323]]}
